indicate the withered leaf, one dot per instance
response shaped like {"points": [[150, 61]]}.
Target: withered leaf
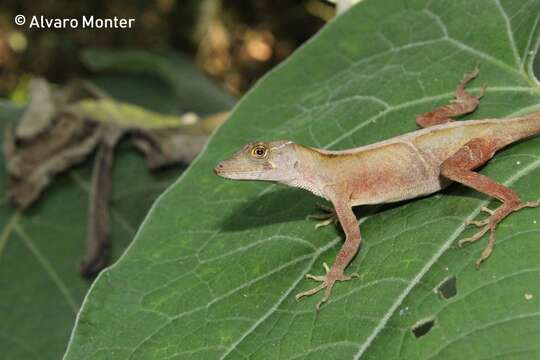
{"points": [[31, 164], [166, 146], [40, 111], [98, 237], [76, 120]]}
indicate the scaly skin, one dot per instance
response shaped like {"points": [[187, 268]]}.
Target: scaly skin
{"points": [[407, 166]]}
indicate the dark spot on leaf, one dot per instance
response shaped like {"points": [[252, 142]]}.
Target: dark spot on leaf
{"points": [[447, 288], [422, 328]]}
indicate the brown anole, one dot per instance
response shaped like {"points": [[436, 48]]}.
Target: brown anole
{"points": [[404, 167]]}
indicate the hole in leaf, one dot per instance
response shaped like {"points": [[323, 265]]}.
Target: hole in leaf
{"points": [[423, 327], [447, 288]]}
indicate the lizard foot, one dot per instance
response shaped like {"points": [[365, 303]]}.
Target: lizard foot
{"points": [[478, 223], [327, 282], [489, 224], [328, 216]]}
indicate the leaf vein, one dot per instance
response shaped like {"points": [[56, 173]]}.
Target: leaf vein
{"points": [[49, 270], [509, 33], [483, 327]]}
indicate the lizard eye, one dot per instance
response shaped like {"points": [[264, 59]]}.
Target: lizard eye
{"points": [[259, 151]]}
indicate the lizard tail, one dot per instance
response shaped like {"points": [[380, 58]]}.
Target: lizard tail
{"points": [[521, 127]]}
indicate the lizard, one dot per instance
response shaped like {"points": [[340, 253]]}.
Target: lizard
{"points": [[407, 166]]}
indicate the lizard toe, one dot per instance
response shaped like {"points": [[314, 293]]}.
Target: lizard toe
{"points": [[327, 217]]}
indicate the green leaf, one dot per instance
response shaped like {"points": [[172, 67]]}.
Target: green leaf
{"points": [[41, 289], [194, 91], [214, 268]]}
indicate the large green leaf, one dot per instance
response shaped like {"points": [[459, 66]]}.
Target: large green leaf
{"points": [[193, 90], [214, 268], [40, 288]]}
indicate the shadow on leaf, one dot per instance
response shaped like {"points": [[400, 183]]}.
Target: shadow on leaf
{"points": [[279, 206]]}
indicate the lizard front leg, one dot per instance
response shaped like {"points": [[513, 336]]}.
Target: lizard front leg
{"points": [[459, 168], [347, 252], [464, 103]]}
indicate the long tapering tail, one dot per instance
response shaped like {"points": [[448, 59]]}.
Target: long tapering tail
{"points": [[522, 127]]}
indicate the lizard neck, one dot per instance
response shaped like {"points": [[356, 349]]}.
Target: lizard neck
{"points": [[307, 171]]}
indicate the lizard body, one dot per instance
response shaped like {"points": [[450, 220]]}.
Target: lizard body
{"points": [[404, 167], [411, 161]]}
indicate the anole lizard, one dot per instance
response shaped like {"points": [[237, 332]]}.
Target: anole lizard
{"points": [[404, 167]]}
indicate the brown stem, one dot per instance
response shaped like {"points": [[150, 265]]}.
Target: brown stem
{"points": [[98, 240]]}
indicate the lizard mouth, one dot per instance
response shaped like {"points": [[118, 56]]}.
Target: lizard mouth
{"points": [[224, 171]]}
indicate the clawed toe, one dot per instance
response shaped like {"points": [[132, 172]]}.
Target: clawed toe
{"points": [[475, 237], [319, 278], [331, 220], [530, 204], [487, 251], [327, 282], [484, 224], [310, 292], [488, 210], [478, 223], [328, 217], [489, 224], [489, 248]]}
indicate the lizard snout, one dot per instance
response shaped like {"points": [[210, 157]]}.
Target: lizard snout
{"points": [[219, 167]]}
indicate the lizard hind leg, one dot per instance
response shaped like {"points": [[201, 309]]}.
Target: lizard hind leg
{"points": [[491, 222], [459, 168], [463, 103]]}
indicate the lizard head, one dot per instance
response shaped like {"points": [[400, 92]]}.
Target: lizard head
{"points": [[271, 161]]}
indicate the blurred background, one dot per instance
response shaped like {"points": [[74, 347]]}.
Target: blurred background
{"points": [[183, 62], [233, 42], [180, 57]]}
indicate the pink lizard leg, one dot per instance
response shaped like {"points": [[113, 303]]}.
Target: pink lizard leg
{"points": [[464, 103], [346, 254], [459, 168]]}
